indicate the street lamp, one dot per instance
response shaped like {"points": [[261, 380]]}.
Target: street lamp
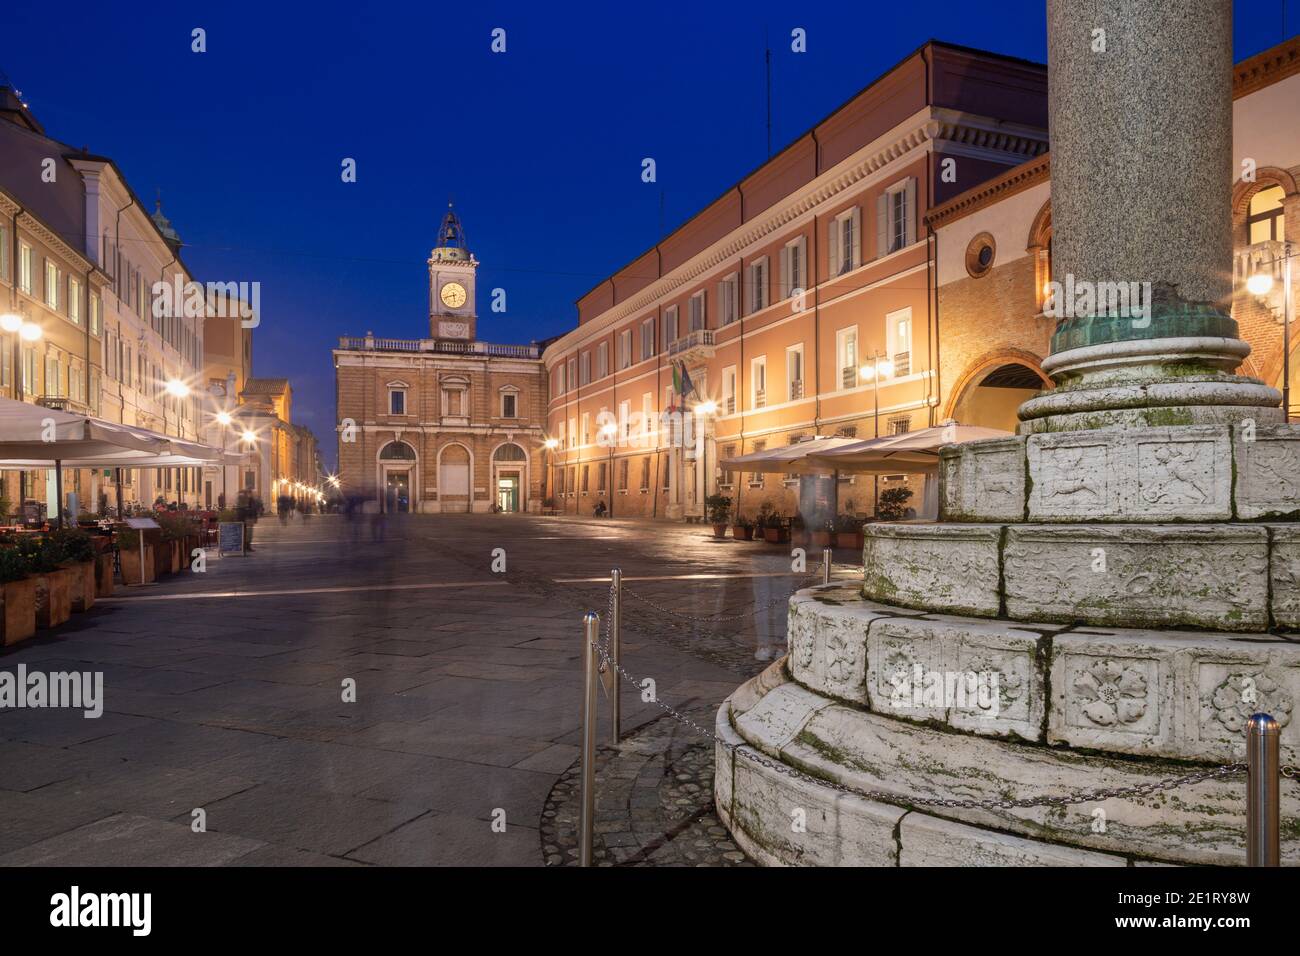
{"points": [[610, 431], [1260, 284], [879, 365]]}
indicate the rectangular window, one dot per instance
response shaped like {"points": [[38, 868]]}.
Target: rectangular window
{"points": [[51, 284], [396, 402], [794, 276], [586, 478], [698, 318], [899, 426], [758, 381], [74, 300], [572, 375], [729, 390], [625, 348], [899, 330], [586, 428], [846, 348], [794, 371], [624, 421], [757, 285], [728, 476], [602, 360], [647, 415], [508, 405], [670, 325], [584, 368], [756, 477], [645, 474], [573, 433], [52, 376], [647, 339], [622, 475], [727, 300], [25, 269], [4, 253], [896, 217], [96, 315], [845, 249], [600, 478]]}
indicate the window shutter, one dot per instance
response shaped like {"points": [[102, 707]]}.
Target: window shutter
{"points": [[882, 225], [855, 257], [833, 248], [785, 271], [910, 210]]}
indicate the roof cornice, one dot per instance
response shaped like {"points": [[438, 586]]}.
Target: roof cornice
{"points": [[1265, 69], [1022, 177]]}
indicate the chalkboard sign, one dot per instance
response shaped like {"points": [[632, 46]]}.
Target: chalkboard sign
{"points": [[230, 537]]}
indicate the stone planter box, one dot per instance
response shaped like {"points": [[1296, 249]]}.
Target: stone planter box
{"points": [[823, 539], [131, 563], [742, 533], [82, 589], [776, 535], [174, 554], [53, 598], [103, 575], [18, 620]]}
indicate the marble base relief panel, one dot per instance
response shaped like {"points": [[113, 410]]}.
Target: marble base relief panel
{"points": [[828, 651], [1139, 474], [979, 676], [1212, 576], [1284, 573], [944, 567], [983, 480], [1175, 694], [1268, 470]]}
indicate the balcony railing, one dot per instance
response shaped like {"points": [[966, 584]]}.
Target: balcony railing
{"points": [[796, 389], [376, 344], [902, 364], [760, 397], [848, 377], [699, 339], [1262, 258]]}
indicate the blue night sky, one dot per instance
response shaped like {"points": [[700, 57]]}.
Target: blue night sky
{"points": [[540, 147]]}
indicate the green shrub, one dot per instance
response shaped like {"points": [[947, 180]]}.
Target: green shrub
{"points": [[893, 504], [13, 566], [719, 507], [75, 544]]}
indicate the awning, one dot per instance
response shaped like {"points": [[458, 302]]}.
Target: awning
{"points": [[793, 459], [32, 436], [909, 453]]}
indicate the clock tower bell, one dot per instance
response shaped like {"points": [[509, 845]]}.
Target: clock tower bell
{"points": [[451, 283]]}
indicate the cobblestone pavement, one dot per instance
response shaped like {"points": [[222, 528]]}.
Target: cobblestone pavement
{"points": [[223, 693], [654, 804]]}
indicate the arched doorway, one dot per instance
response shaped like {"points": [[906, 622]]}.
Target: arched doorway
{"points": [[510, 477], [454, 468], [397, 477], [992, 393]]}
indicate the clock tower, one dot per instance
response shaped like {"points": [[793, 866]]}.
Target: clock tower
{"points": [[451, 283]]}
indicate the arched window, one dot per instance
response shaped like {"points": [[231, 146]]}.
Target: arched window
{"points": [[1265, 220], [397, 451], [509, 452]]}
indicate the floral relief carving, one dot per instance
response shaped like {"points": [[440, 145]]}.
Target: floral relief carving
{"points": [[1240, 695], [803, 648], [1116, 693], [841, 658]]}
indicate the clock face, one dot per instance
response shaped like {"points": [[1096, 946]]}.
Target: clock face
{"points": [[452, 295]]}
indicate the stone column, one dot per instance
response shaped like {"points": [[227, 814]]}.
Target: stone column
{"points": [[1140, 106]]}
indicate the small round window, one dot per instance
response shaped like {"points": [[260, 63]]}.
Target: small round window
{"points": [[980, 255]]}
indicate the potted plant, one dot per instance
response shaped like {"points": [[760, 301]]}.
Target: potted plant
{"points": [[17, 596], [718, 507], [893, 504], [138, 563], [53, 581], [775, 530], [103, 565], [78, 552], [848, 531], [742, 529]]}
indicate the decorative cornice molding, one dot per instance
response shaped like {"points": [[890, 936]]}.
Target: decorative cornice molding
{"points": [[1022, 177], [1265, 69]]}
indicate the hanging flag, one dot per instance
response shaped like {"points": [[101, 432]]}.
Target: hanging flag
{"points": [[677, 379], [687, 385]]}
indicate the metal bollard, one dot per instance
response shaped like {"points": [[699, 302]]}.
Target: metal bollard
{"points": [[615, 655], [826, 565], [590, 636], [1263, 770]]}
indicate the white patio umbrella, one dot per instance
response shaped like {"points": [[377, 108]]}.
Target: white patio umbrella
{"points": [[32, 436], [911, 452], [796, 459]]}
